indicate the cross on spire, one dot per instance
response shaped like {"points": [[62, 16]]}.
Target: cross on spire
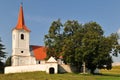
{"points": [[22, 3]]}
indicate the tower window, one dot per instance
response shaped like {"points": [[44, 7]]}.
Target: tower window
{"points": [[22, 36], [22, 51]]}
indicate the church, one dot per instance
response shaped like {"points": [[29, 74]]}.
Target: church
{"points": [[26, 57]]}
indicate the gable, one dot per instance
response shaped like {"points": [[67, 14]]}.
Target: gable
{"points": [[51, 59]]}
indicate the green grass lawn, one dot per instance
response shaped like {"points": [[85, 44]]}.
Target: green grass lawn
{"points": [[44, 76], [113, 74]]}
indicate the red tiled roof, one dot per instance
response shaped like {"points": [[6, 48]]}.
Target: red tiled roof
{"points": [[21, 23], [39, 52]]}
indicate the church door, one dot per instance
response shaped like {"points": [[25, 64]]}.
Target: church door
{"points": [[51, 70]]}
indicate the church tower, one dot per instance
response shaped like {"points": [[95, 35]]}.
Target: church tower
{"points": [[20, 43]]}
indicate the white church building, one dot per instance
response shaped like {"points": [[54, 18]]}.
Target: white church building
{"points": [[26, 58]]}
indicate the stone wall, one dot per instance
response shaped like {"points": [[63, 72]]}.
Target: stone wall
{"points": [[66, 68]]}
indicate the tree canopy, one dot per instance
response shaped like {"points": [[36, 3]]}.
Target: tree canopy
{"points": [[81, 43]]}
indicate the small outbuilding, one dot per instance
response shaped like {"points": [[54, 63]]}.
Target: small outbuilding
{"points": [[51, 66]]}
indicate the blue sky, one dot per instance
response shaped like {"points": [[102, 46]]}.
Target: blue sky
{"points": [[39, 14]]}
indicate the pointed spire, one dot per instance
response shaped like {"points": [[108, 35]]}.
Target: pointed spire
{"points": [[21, 23]]}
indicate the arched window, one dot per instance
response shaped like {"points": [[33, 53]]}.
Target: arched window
{"points": [[22, 36]]}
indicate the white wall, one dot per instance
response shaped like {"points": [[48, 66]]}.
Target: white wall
{"points": [[28, 68], [31, 68], [18, 44], [23, 60]]}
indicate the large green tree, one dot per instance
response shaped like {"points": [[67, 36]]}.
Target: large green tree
{"points": [[96, 47], [81, 44]]}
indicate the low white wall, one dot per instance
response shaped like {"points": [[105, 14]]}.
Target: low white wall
{"points": [[28, 68]]}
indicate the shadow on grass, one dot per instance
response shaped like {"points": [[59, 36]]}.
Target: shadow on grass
{"points": [[2, 71], [113, 75]]}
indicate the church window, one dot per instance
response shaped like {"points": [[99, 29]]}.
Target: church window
{"points": [[22, 51], [22, 36], [39, 62]]}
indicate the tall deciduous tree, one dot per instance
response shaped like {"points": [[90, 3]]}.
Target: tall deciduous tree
{"points": [[96, 47], [72, 41], [81, 44]]}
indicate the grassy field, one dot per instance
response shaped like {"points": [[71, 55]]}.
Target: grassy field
{"points": [[113, 74]]}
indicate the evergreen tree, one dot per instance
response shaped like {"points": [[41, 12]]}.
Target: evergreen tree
{"points": [[2, 52], [2, 56]]}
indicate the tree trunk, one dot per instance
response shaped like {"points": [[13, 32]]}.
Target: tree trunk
{"points": [[84, 68]]}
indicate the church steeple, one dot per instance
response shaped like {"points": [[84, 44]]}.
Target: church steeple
{"points": [[21, 23], [20, 42]]}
